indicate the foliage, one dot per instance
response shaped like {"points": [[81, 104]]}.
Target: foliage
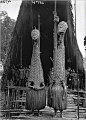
{"points": [[3, 14], [7, 26], [85, 41]]}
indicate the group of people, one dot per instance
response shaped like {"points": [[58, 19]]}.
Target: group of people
{"points": [[72, 80], [19, 76]]}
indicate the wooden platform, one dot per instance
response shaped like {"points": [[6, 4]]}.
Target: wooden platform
{"points": [[45, 114]]}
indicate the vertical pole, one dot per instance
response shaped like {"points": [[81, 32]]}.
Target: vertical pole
{"points": [[85, 82], [85, 87], [21, 52], [77, 68], [8, 96], [0, 60], [55, 32], [85, 70], [55, 37], [78, 95], [39, 31], [32, 14], [0, 39], [0, 98]]}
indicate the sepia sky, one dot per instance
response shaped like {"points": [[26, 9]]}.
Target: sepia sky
{"points": [[13, 7]]}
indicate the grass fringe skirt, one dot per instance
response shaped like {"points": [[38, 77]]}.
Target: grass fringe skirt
{"points": [[57, 98], [35, 99]]}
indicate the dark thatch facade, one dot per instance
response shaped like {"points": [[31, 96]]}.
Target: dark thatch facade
{"points": [[27, 19]]}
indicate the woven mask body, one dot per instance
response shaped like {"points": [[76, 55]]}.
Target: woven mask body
{"points": [[35, 79]]}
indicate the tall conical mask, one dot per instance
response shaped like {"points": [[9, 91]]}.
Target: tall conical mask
{"points": [[36, 95], [62, 27], [57, 91], [36, 79]]}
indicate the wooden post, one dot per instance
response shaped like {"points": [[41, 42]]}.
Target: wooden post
{"points": [[56, 20], [78, 95], [0, 98], [85, 83], [21, 53], [0, 39], [77, 68], [85, 69], [39, 30], [85, 89], [55, 36], [8, 96]]}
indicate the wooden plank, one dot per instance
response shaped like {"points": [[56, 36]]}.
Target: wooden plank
{"points": [[13, 110], [20, 100], [81, 98], [9, 110], [18, 87], [80, 91], [76, 108]]}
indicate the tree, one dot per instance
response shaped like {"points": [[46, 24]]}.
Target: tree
{"points": [[3, 14], [7, 26], [85, 41]]}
